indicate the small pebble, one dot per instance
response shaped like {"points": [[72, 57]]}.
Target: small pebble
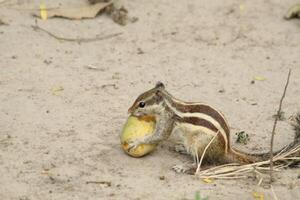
{"points": [[140, 51], [221, 91]]}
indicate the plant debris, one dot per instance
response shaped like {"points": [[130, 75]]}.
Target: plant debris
{"points": [[105, 183], [235, 171], [258, 195], [95, 68], [119, 14], [242, 137], [89, 11], [57, 90], [79, 40], [280, 116], [259, 78], [293, 12], [110, 85], [199, 162], [275, 123], [208, 180]]}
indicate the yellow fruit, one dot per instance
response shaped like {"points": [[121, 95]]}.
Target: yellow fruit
{"points": [[136, 128]]}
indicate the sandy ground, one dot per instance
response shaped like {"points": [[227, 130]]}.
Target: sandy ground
{"points": [[63, 104]]}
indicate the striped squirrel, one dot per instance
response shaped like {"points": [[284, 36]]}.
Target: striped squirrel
{"points": [[196, 123]]}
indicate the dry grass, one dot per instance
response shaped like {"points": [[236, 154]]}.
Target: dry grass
{"points": [[233, 171]]}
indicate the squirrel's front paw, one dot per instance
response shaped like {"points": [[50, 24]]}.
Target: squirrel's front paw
{"points": [[133, 144]]}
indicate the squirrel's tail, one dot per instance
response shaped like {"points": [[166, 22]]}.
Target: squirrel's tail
{"points": [[238, 156], [235, 155]]}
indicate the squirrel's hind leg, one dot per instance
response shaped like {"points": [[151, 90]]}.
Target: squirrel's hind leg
{"points": [[188, 167]]}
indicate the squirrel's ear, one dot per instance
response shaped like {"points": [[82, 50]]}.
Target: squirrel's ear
{"points": [[160, 85], [158, 95]]}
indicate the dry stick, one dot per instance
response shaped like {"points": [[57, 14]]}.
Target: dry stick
{"points": [[108, 183], [202, 156], [274, 126], [79, 40], [259, 174], [273, 192]]}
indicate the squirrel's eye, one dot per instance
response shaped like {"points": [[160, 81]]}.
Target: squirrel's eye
{"points": [[142, 104]]}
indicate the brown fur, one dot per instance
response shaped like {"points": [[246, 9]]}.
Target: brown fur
{"points": [[200, 122], [205, 109]]}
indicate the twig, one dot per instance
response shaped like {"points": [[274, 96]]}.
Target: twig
{"points": [[107, 183], [274, 125], [259, 174], [202, 156], [273, 192], [79, 40]]}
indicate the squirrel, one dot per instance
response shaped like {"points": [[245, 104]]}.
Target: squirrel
{"points": [[196, 124]]}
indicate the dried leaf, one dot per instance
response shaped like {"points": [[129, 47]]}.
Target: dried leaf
{"points": [[89, 11]]}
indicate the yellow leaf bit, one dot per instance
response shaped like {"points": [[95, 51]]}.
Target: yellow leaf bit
{"points": [[258, 195], [242, 7], [57, 90], [207, 180], [259, 78], [43, 11]]}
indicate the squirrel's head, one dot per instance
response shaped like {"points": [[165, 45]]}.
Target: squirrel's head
{"points": [[149, 102]]}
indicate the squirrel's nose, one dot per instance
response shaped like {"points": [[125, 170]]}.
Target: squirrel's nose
{"points": [[130, 110]]}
